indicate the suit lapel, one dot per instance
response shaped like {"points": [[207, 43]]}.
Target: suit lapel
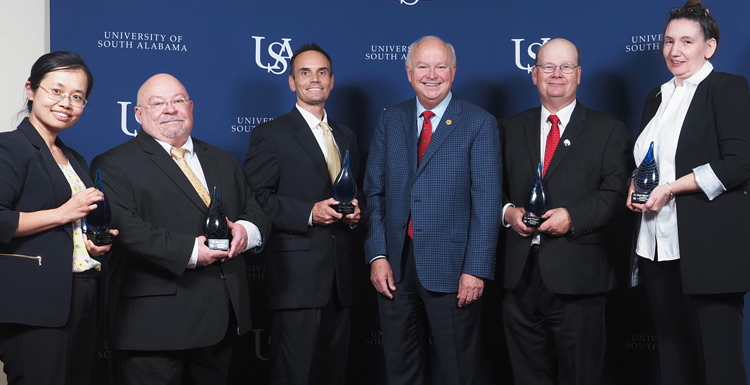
{"points": [[307, 140], [532, 131], [409, 122], [79, 168], [443, 131], [341, 142], [209, 166], [165, 162], [60, 184], [574, 128]]}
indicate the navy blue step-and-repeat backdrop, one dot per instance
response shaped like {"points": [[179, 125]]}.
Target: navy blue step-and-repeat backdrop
{"points": [[233, 57]]}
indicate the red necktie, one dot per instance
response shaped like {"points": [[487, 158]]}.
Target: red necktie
{"points": [[553, 138], [424, 140]]}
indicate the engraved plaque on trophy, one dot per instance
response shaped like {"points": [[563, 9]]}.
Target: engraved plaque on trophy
{"points": [[535, 201], [344, 188], [646, 177], [215, 228], [98, 219]]}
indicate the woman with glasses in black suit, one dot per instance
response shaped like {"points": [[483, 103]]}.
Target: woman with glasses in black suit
{"points": [[693, 241], [48, 276]]}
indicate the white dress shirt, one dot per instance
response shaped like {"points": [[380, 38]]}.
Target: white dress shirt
{"points": [[564, 115], [314, 123], [659, 230]]}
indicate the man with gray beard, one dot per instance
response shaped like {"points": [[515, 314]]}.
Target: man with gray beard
{"points": [[173, 304]]}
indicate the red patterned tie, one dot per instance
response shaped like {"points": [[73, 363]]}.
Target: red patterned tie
{"points": [[424, 140], [553, 138]]}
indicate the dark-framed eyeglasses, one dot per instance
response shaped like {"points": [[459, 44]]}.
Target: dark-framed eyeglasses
{"points": [[697, 11], [549, 68], [159, 105], [56, 95]]}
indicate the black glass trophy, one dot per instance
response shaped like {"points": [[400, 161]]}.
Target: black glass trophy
{"points": [[345, 189], [215, 228], [646, 177], [98, 219], [535, 201]]}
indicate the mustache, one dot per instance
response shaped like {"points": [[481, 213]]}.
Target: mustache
{"points": [[171, 118]]}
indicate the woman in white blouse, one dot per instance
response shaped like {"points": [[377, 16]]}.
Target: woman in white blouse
{"points": [[693, 242]]}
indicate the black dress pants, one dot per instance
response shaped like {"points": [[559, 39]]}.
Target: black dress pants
{"points": [[553, 338], [699, 336], [35, 355]]}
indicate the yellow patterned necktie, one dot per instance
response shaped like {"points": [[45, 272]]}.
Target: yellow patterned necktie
{"points": [[179, 155], [333, 159]]}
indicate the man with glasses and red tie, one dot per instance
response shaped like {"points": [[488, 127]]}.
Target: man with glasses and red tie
{"points": [[432, 188], [174, 304], [556, 275]]}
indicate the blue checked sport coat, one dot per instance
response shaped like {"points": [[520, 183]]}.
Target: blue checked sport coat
{"points": [[454, 197]]}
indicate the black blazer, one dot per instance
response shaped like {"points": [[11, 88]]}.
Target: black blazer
{"points": [[588, 178], [154, 301], [35, 292], [714, 235], [287, 170]]}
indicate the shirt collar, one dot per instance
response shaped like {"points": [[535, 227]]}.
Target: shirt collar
{"points": [[168, 147], [694, 80], [439, 110], [311, 119], [564, 114]]}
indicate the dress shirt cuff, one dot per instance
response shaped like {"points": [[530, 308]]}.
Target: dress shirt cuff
{"points": [[194, 256], [378, 257], [309, 220], [708, 182], [502, 215], [254, 238]]}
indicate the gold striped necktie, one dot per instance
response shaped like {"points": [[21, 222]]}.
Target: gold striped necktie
{"points": [[179, 155]]}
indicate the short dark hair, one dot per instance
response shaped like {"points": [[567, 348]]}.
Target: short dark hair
{"points": [[57, 61], [695, 11], [310, 47]]}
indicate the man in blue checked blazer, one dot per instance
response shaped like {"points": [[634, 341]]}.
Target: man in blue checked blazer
{"points": [[433, 188]]}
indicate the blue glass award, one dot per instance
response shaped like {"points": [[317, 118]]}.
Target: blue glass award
{"points": [[646, 177], [344, 188], [98, 219], [215, 228], [535, 201]]}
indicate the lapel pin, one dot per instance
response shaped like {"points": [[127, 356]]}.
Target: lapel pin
{"points": [[449, 122], [566, 142]]}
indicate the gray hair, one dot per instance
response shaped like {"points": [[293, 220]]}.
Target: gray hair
{"points": [[430, 37]]}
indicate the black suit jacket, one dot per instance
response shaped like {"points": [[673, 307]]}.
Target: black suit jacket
{"points": [[154, 301], [714, 235], [287, 170], [587, 177], [32, 291]]}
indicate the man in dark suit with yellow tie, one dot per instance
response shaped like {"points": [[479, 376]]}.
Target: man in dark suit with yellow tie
{"points": [[290, 164], [173, 304], [556, 275]]}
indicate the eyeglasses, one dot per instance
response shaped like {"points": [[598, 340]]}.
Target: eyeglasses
{"points": [[697, 11], [549, 68], [160, 104], [56, 95]]}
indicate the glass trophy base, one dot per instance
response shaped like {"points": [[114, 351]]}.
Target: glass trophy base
{"points": [[218, 244], [344, 208], [533, 221], [100, 239], [640, 197]]}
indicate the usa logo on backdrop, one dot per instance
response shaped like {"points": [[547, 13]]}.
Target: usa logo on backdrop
{"points": [[530, 52], [279, 52], [409, 2]]}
